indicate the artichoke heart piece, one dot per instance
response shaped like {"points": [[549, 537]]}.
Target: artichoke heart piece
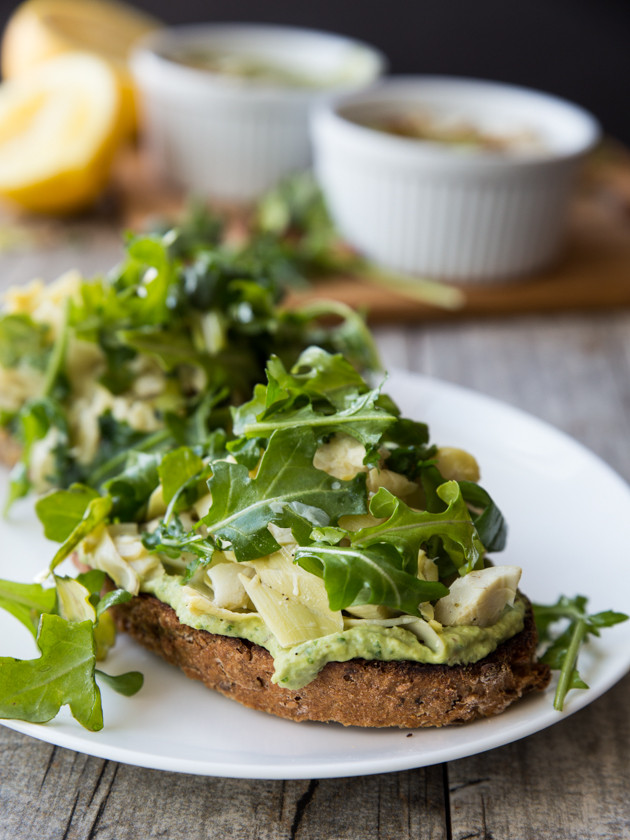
{"points": [[342, 457], [200, 605], [74, 603], [479, 597], [457, 464], [427, 633], [99, 552], [225, 580], [292, 603], [278, 571]]}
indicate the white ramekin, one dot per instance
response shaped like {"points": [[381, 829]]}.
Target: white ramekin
{"points": [[426, 208], [226, 138]]}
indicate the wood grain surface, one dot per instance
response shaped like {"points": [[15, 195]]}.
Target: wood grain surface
{"points": [[569, 782]]}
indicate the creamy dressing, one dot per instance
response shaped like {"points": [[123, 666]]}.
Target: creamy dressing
{"points": [[297, 665]]}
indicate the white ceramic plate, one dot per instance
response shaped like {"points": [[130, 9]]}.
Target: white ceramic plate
{"points": [[568, 514]]}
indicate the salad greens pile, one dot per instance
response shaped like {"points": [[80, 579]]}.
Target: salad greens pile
{"points": [[203, 315]]}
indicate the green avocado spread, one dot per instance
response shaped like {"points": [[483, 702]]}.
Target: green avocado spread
{"points": [[297, 665]]}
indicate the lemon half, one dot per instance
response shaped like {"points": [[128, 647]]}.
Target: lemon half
{"points": [[42, 29], [59, 131]]}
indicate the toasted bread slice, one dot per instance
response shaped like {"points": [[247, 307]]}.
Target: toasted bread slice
{"points": [[355, 693]]}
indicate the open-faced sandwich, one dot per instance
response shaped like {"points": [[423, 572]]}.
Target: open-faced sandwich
{"points": [[322, 562], [308, 553]]}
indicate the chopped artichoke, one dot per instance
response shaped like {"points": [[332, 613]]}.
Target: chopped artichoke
{"points": [[479, 597], [342, 457], [427, 568], [229, 592], [74, 603], [99, 551], [428, 633], [292, 603], [457, 464], [203, 505], [397, 484], [199, 604]]}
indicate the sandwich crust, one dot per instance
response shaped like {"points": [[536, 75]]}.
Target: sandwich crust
{"points": [[355, 693]]}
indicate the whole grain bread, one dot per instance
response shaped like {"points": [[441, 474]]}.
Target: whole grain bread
{"points": [[355, 693]]}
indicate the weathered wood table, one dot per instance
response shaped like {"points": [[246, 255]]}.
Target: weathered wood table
{"points": [[569, 781]]}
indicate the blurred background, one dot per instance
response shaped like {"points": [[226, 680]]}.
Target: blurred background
{"points": [[577, 49]]}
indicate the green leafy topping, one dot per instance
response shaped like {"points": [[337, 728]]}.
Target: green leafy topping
{"points": [[130, 490], [242, 507], [127, 684], [323, 392], [111, 599], [89, 510], [176, 469], [409, 530], [36, 689], [171, 538], [562, 654], [33, 422], [373, 575], [62, 510], [488, 519], [207, 312], [27, 602]]}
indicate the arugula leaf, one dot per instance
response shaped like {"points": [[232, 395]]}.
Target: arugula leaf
{"points": [[27, 602], [322, 391], [372, 575], [111, 599], [36, 689], [127, 684], [89, 510], [61, 510], [409, 530], [242, 506], [23, 341], [407, 444], [489, 522], [170, 538], [119, 440], [176, 468], [562, 654], [130, 490]]}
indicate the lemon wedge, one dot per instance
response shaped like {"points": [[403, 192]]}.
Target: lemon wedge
{"points": [[59, 131], [42, 29]]}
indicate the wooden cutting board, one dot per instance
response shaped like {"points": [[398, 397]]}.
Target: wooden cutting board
{"points": [[592, 273]]}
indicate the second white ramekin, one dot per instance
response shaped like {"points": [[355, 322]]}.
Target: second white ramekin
{"points": [[426, 208], [225, 138]]}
